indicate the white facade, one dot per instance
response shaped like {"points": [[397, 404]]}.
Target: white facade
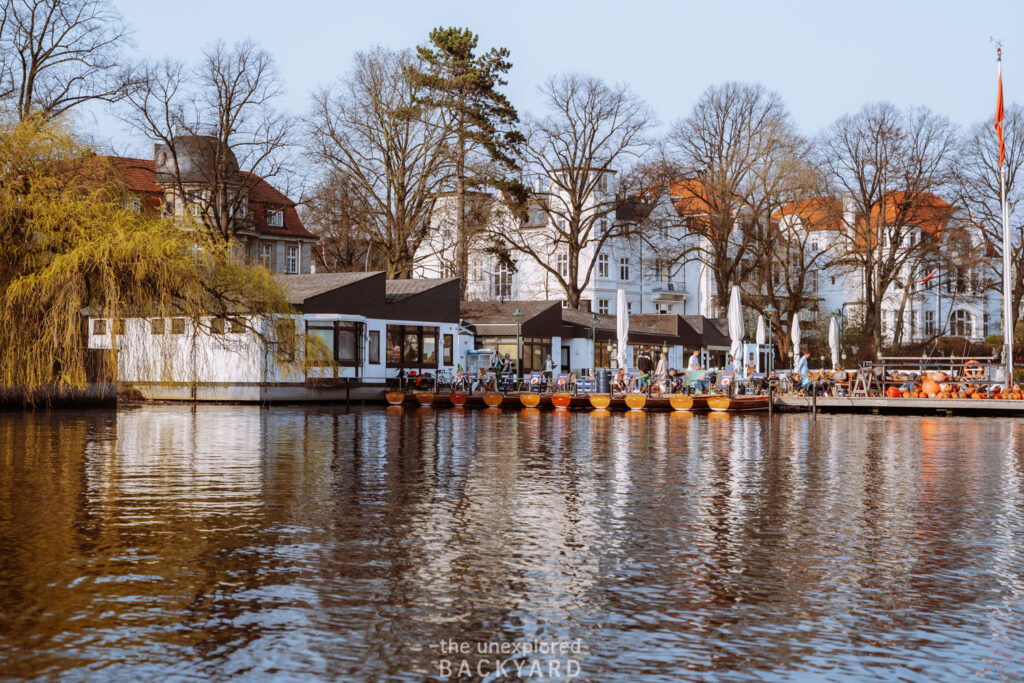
{"points": [[629, 263], [183, 362]]}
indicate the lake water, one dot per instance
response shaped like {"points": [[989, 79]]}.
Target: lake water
{"points": [[296, 543]]}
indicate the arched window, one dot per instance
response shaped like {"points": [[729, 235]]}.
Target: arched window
{"points": [[961, 324]]}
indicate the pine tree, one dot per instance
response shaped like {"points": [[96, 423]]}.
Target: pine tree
{"points": [[465, 85]]}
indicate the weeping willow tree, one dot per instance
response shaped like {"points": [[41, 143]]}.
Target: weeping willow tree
{"points": [[71, 243]]}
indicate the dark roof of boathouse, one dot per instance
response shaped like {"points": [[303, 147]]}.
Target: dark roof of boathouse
{"points": [[374, 296]]}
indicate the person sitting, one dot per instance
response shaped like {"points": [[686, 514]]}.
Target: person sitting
{"points": [[840, 380], [674, 382], [620, 384]]}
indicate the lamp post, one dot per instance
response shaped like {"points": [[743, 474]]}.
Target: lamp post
{"points": [[769, 311], [519, 326]]}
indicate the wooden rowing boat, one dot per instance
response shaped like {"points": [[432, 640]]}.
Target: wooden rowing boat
{"points": [[737, 404]]}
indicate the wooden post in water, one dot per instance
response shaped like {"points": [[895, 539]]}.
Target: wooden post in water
{"points": [[771, 399], [814, 400]]}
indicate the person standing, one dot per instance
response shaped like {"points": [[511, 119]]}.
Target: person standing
{"points": [[694, 363], [801, 369], [549, 368], [644, 363]]}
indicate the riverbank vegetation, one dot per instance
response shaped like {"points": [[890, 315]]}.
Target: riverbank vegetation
{"points": [[72, 241]]}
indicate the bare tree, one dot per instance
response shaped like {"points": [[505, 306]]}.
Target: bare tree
{"points": [[785, 214], [977, 183], [328, 212], [221, 111], [726, 145], [891, 165], [58, 54], [370, 133], [592, 131]]}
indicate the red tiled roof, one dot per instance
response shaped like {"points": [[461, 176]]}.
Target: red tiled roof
{"points": [[138, 176], [818, 213]]}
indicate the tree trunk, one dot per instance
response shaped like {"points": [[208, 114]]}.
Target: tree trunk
{"points": [[462, 239]]}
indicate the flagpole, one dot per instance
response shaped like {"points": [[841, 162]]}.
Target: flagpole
{"points": [[1007, 308]]}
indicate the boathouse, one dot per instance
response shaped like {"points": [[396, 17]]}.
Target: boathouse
{"points": [[369, 330]]}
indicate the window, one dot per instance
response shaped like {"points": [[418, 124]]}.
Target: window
{"points": [[449, 350], [156, 326], [833, 279], [929, 323], [602, 183], [961, 324], [561, 224], [501, 286], [177, 326], [602, 227], [284, 334], [267, 256], [629, 307], [236, 326], [602, 306], [338, 341], [275, 218], [411, 346], [663, 308], [292, 260], [562, 260], [119, 326], [99, 327], [624, 268], [374, 347], [217, 325], [602, 265], [812, 281]]}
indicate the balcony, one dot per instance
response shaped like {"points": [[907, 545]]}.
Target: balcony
{"points": [[667, 292]]}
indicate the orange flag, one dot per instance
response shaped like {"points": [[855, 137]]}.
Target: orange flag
{"points": [[999, 119]]}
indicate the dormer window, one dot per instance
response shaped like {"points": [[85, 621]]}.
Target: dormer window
{"points": [[275, 218]]}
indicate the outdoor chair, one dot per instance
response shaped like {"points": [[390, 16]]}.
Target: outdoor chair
{"points": [[507, 382], [724, 380], [535, 382]]}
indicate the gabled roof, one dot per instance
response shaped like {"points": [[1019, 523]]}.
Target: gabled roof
{"points": [[139, 177], [817, 213], [398, 290], [300, 288]]}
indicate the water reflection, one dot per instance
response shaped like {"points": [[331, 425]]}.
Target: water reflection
{"points": [[306, 542]]}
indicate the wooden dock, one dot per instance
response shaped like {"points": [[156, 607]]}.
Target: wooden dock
{"points": [[896, 406]]}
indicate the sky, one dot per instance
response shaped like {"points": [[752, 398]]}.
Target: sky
{"points": [[824, 58]]}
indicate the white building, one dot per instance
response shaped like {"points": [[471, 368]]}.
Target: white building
{"points": [[370, 328], [627, 262]]}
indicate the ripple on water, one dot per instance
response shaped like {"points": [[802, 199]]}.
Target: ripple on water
{"points": [[224, 541]]}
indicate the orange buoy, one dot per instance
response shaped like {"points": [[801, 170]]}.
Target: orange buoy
{"points": [[600, 401], [394, 398], [530, 400], [561, 400], [493, 400], [636, 401], [680, 402]]}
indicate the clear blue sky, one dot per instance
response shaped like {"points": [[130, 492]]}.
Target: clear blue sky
{"points": [[824, 58]]}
